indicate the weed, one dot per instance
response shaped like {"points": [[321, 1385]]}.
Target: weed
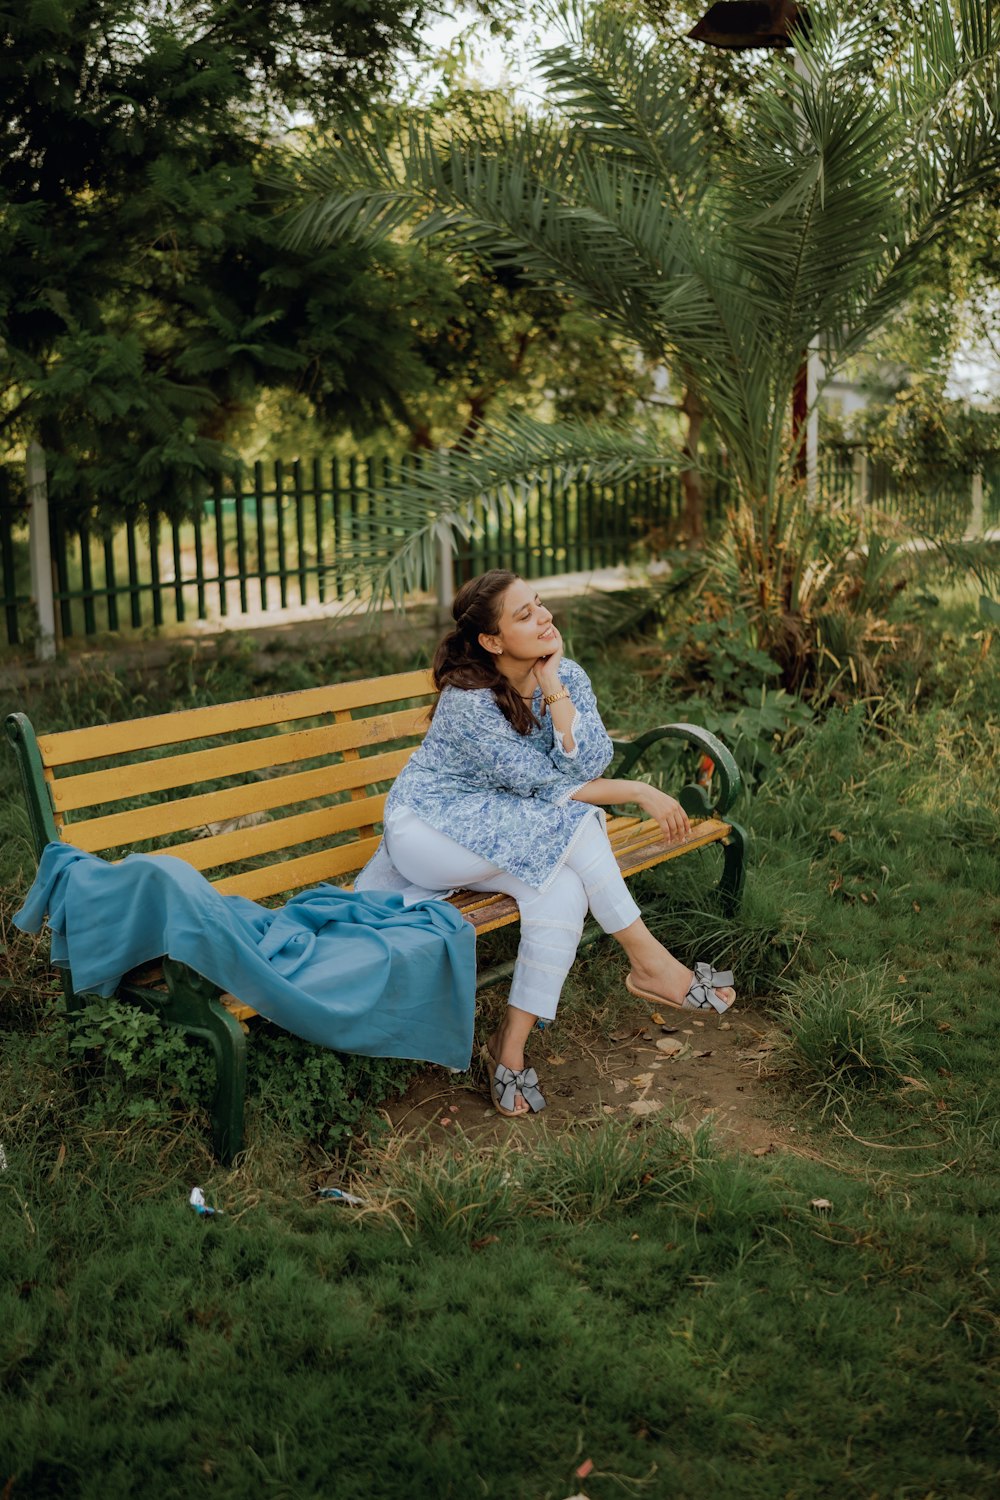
{"points": [[847, 1030]]}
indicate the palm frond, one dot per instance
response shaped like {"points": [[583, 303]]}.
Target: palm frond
{"points": [[394, 550]]}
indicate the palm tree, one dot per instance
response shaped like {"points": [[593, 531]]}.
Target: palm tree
{"points": [[726, 265]]}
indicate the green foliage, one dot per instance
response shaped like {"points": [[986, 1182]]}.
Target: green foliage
{"points": [[846, 1030], [135, 1068], [314, 1094], [928, 439], [144, 295], [727, 264], [146, 1070]]}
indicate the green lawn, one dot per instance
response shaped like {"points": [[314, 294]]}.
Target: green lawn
{"points": [[685, 1319]]}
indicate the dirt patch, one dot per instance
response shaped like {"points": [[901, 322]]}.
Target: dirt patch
{"points": [[673, 1065]]}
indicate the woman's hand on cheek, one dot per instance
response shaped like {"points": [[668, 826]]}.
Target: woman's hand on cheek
{"points": [[547, 667]]}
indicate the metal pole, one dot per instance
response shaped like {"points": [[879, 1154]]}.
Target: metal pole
{"points": [[978, 521], [40, 553]]}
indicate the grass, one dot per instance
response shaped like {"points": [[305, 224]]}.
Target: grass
{"points": [[813, 1323]]}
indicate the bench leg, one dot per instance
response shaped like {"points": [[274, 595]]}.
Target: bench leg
{"points": [[194, 1006], [731, 884]]}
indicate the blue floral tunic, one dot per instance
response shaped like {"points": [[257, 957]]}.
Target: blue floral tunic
{"points": [[503, 795]]}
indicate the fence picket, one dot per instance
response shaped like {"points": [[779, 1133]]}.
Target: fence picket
{"points": [[550, 527]]}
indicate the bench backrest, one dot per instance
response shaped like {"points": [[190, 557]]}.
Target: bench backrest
{"points": [[306, 772]]}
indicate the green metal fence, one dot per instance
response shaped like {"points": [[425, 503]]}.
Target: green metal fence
{"points": [[276, 539]]}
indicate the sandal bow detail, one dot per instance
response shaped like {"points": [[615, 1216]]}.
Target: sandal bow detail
{"points": [[505, 1085], [702, 991]]}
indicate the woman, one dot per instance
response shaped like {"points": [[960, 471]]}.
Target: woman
{"points": [[505, 794]]}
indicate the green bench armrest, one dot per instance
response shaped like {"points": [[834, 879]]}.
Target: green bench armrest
{"points": [[726, 780]]}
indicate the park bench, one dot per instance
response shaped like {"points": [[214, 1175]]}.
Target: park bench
{"points": [[275, 794]]}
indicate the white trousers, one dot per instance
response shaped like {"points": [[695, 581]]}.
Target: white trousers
{"points": [[551, 920]]}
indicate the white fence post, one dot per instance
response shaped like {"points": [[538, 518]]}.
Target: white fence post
{"points": [[978, 523], [40, 553], [445, 573]]}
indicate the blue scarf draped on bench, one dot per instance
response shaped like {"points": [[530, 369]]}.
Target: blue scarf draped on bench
{"points": [[354, 971]]}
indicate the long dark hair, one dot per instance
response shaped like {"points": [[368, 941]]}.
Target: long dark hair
{"points": [[461, 662]]}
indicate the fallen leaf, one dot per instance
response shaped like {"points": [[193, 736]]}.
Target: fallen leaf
{"points": [[706, 1053], [916, 907], [642, 1080], [645, 1106], [555, 1061], [864, 898], [901, 979], [821, 1205], [916, 1083], [944, 1026], [487, 1239], [670, 1046], [764, 1150], [725, 1025], [231, 825], [446, 1120], [657, 1018], [621, 1084], [453, 1108], [837, 836]]}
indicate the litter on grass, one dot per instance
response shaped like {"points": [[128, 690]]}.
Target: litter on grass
{"points": [[197, 1202], [339, 1196]]}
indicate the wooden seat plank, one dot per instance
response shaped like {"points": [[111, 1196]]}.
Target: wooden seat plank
{"points": [[279, 833], [116, 783], [116, 830], [101, 740], [296, 874]]}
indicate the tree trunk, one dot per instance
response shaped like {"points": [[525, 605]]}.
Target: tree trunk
{"points": [[693, 514]]}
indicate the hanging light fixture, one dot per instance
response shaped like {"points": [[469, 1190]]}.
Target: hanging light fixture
{"points": [[740, 24]]}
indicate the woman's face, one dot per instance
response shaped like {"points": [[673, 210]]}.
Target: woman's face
{"points": [[525, 630]]}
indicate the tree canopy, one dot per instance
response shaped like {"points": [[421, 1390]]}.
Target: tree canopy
{"points": [[144, 294]]}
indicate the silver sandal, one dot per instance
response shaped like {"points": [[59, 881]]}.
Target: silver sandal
{"points": [[506, 1084], [702, 991]]}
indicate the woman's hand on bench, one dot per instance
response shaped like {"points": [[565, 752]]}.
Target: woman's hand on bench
{"points": [[606, 791], [667, 811]]}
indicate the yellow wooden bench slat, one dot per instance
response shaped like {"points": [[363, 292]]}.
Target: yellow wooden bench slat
{"points": [[279, 833], [114, 830], [176, 728], [294, 874], [118, 782]]}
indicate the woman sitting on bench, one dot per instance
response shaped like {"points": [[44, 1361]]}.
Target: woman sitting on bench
{"points": [[504, 794]]}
